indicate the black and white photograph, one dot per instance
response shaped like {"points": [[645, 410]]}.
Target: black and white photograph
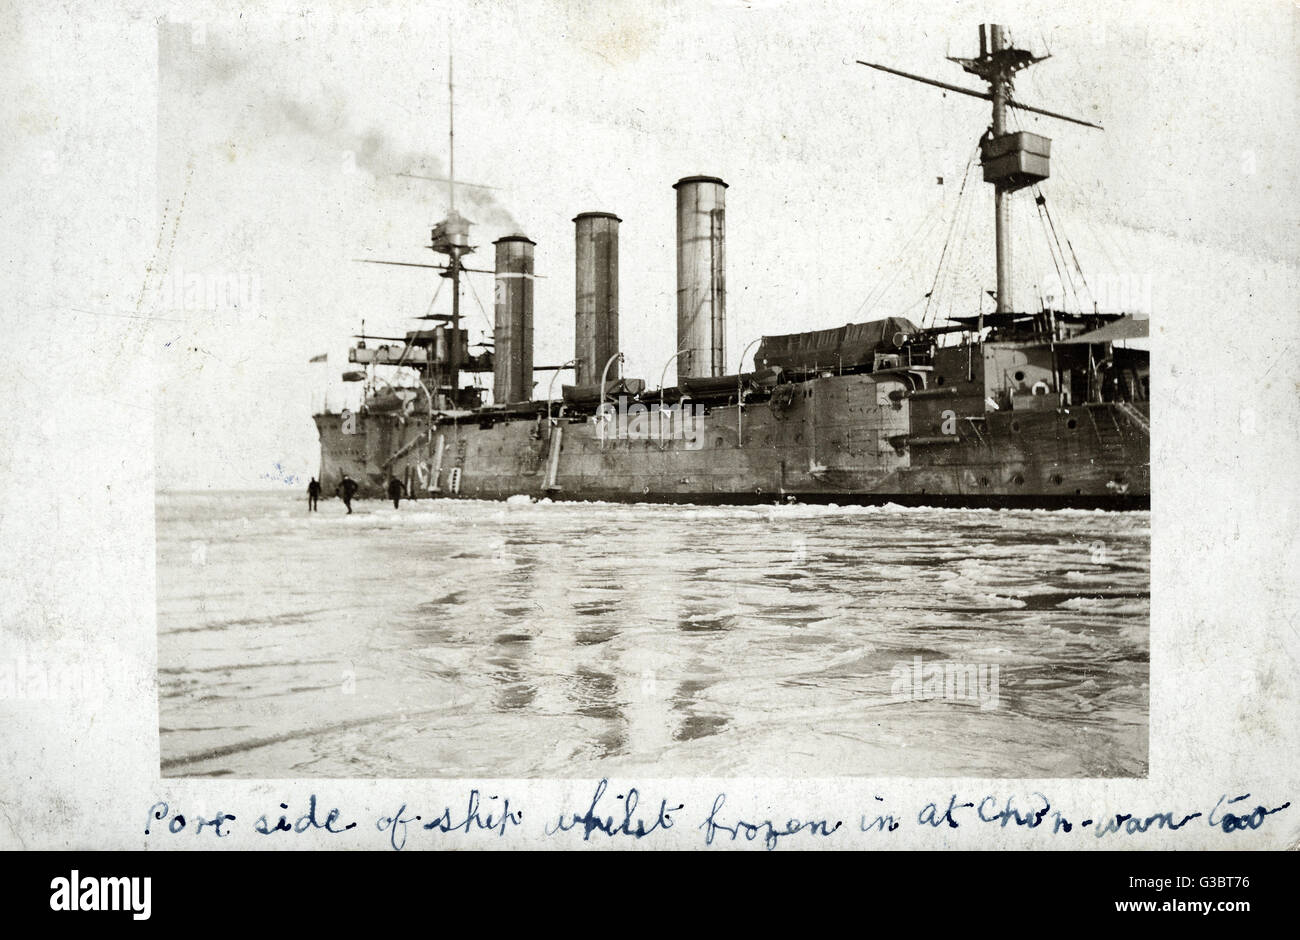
{"points": [[544, 391], [708, 426]]}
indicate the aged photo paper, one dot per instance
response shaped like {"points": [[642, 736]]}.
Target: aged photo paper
{"points": [[573, 425]]}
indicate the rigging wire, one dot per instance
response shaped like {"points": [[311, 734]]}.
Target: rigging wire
{"points": [[944, 253], [436, 291], [949, 283], [406, 351], [899, 262], [1041, 202], [1031, 243], [486, 319], [1069, 244], [1018, 122], [878, 292], [1078, 267], [958, 235], [1062, 275], [1080, 196], [912, 306], [1044, 210], [964, 236], [433, 300]]}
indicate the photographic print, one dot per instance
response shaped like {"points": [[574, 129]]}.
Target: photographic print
{"points": [[549, 391], [705, 426]]}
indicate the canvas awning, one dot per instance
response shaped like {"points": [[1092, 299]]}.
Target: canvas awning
{"points": [[1117, 331], [842, 347]]}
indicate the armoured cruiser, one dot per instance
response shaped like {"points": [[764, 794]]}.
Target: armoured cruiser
{"points": [[1006, 408]]}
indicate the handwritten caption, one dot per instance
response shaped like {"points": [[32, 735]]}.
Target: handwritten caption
{"points": [[611, 814]]}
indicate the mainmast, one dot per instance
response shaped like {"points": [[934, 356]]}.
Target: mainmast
{"points": [[1011, 161], [997, 64]]}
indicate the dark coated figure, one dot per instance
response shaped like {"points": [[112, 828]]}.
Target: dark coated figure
{"points": [[347, 489]]}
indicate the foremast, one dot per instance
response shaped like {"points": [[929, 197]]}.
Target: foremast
{"points": [[450, 237]]}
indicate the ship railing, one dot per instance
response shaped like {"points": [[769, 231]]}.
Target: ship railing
{"points": [[664, 413], [904, 357]]}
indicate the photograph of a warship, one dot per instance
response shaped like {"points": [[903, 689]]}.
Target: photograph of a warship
{"points": [[742, 521], [1022, 405]]}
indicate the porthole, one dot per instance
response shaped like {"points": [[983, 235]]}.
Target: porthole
{"points": [[717, 442], [1072, 424], [1020, 376], [1057, 479], [1018, 480], [939, 380], [1015, 425]]}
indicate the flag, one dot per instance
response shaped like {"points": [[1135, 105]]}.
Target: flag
{"points": [[321, 358]]}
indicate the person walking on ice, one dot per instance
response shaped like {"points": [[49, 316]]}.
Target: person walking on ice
{"points": [[347, 489]]}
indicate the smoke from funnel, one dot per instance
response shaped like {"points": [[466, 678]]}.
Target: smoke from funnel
{"points": [[213, 64]]}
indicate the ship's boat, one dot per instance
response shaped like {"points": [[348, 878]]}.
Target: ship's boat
{"points": [[590, 395]]}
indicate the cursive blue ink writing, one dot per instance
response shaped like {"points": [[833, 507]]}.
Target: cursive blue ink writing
{"points": [[629, 825], [881, 823], [473, 820], [1230, 822], [767, 829], [264, 826], [215, 822], [927, 815], [308, 820], [1134, 825], [396, 825], [1009, 814], [160, 811], [305, 822]]}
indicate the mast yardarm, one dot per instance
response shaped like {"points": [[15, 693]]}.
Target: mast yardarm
{"points": [[1011, 161]]}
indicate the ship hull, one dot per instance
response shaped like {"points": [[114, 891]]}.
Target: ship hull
{"points": [[859, 439], [1115, 503]]}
